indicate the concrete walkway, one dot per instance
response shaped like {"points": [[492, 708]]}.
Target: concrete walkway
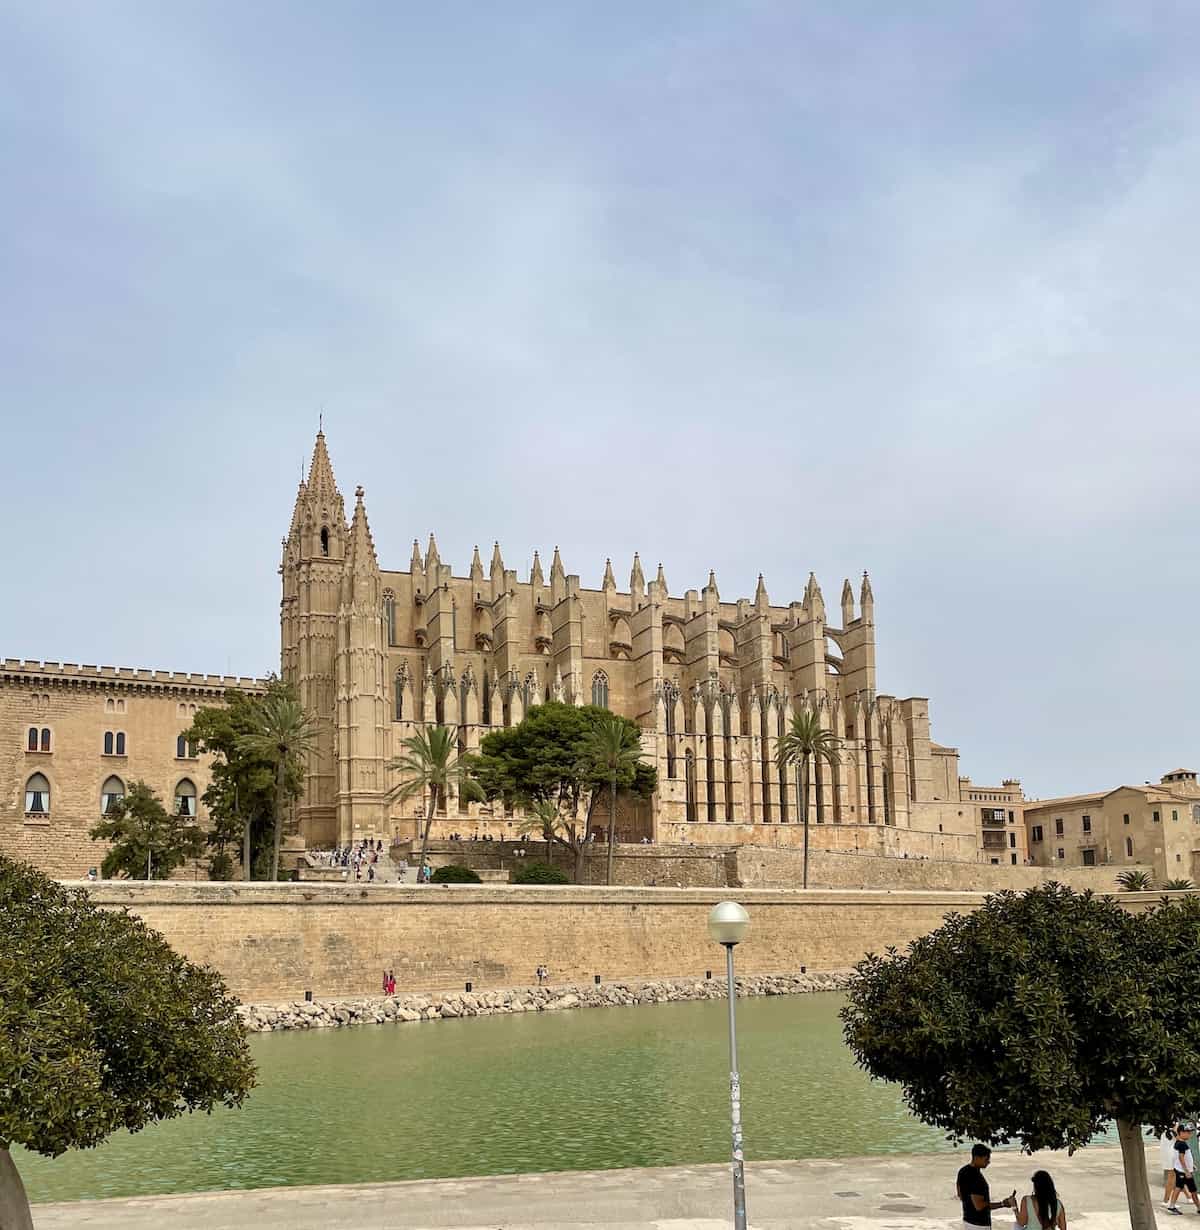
{"points": [[876, 1193]]}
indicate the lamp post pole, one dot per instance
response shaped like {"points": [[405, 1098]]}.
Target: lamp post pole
{"points": [[727, 924]]}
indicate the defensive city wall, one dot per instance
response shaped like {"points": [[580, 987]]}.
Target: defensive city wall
{"points": [[273, 942]]}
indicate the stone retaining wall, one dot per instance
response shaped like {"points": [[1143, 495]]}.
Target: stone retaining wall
{"points": [[400, 1009]]}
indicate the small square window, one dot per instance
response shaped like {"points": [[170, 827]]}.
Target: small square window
{"points": [[1061, 852], [1058, 827], [1156, 817], [1125, 818]]}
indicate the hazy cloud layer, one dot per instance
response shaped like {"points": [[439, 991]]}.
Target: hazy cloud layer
{"points": [[744, 286]]}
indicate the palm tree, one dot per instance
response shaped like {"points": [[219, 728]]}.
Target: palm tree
{"points": [[430, 761], [612, 749], [806, 742], [541, 816], [1134, 881], [285, 733], [1181, 884]]}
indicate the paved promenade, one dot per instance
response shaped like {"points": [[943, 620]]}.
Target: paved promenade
{"points": [[877, 1193]]}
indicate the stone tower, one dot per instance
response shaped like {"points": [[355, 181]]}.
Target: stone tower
{"points": [[314, 553], [362, 718]]}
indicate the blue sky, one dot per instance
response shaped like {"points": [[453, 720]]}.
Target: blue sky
{"points": [[750, 286]]}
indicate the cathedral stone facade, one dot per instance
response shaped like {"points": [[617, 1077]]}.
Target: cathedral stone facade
{"points": [[378, 654]]}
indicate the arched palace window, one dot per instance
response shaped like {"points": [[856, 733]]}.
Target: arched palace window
{"points": [[37, 796], [185, 798], [111, 793]]}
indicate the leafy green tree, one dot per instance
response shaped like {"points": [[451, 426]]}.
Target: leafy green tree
{"points": [[548, 759], [283, 734], [430, 763], [806, 743], [1040, 1019], [612, 748], [569, 830], [241, 796], [148, 842], [102, 1026], [1134, 881]]}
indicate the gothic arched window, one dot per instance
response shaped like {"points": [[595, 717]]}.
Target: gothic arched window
{"points": [[120, 743], [32, 743], [185, 798], [399, 689], [180, 748], [108, 742], [37, 796], [389, 616], [45, 738], [689, 776], [111, 793], [600, 690], [324, 540]]}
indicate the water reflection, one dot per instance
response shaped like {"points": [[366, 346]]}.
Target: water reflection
{"points": [[498, 1095]]}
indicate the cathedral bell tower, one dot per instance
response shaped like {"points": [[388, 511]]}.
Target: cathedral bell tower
{"points": [[314, 554]]}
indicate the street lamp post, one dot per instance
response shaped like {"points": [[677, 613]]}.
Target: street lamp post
{"points": [[727, 923]]}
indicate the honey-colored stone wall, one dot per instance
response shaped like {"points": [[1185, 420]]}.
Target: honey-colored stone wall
{"points": [[77, 705], [273, 942]]}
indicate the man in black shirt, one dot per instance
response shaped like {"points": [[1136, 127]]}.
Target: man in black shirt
{"points": [[972, 1188]]}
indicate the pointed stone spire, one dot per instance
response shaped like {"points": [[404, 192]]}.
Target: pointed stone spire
{"points": [[297, 515], [432, 557], [609, 584], [321, 483], [762, 603], [637, 582], [556, 566], [557, 692], [661, 581], [535, 573], [712, 582], [866, 598], [847, 604], [360, 556], [416, 564], [813, 599], [497, 566], [476, 565]]}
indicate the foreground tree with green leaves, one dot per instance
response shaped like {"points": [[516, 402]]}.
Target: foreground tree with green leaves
{"points": [[102, 1026], [148, 842], [554, 764], [612, 749], [240, 798], [1041, 1018]]}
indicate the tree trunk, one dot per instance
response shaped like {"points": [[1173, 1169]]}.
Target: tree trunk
{"points": [[433, 795], [278, 839], [1137, 1185], [14, 1204], [246, 850], [804, 810], [612, 827]]}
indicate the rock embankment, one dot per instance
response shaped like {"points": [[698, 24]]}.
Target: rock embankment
{"points": [[451, 1005]]}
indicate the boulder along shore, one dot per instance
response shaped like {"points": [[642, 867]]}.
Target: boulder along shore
{"points": [[453, 1005]]}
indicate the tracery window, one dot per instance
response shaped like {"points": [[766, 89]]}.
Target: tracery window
{"points": [[600, 690], [389, 615]]}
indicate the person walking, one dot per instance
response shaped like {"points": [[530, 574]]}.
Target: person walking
{"points": [[973, 1191], [1185, 1171], [1167, 1157], [1042, 1210]]}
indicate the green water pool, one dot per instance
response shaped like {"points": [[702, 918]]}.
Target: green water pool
{"points": [[605, 1087]]}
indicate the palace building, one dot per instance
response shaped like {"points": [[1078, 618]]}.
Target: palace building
{"points": [[378, 653]]}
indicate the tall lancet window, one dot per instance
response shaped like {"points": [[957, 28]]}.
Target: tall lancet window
{"points": [[600, 690], [324, 540], [399, 690], [389, 616]]}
